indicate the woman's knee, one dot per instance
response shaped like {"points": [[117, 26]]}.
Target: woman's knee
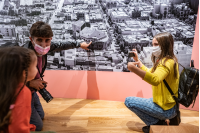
{"points": [[127, 100], [134, 102]]}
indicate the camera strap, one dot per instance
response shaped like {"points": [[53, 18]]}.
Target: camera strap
{"points": [[40, 73]]}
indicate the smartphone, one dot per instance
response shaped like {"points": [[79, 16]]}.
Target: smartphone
{"points": [[131, 54]]}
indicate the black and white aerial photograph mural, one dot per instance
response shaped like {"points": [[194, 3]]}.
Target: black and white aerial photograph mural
{"points": [[115, 27]]}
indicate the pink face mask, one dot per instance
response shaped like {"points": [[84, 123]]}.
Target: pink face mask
{"points": [[40, 50]]}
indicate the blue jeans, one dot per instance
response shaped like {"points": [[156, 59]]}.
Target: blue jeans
{"points": [[148, 111], [37, 112]]}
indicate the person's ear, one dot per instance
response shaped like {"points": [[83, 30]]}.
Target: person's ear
{"points": [[30, 38]]}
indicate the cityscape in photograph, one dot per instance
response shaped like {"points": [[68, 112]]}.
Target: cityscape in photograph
{"points": [[115, 27]]}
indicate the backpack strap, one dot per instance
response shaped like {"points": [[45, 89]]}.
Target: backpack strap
{"points": [[192, 63], [170, 90], [181, 65], [194, 96]]}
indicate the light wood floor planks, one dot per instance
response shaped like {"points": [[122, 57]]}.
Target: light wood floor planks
{"points": [[174, 129], [97, 116]]}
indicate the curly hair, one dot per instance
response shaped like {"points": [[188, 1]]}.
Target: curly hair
{"points": [[41, 29]]}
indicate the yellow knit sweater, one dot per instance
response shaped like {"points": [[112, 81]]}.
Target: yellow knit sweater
{"points": [[161, 95]]}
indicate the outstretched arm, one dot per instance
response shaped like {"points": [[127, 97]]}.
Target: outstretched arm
{"points": [[58, 46]]}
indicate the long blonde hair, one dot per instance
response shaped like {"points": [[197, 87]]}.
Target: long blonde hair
{"points": [[166, 43]]}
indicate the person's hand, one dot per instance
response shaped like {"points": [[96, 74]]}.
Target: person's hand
{"points": [[37, 84], [167, 121], [85, 46], [136, 55], [132, 67], [132, 64]]}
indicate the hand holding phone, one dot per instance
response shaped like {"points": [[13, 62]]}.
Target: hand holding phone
{"points": [[135, 54], [131, 54]]}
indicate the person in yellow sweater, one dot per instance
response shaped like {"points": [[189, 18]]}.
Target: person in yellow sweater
{"points": [[162, 106]]}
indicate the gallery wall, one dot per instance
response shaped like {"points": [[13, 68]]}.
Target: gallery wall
{"points": [[114, 86]]}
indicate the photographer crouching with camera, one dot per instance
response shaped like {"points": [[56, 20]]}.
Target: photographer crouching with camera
{"points": [[162, 108], [40, 41]]}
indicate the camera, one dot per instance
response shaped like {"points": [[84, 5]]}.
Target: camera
{"points": [[131, 54], [45, 94]]}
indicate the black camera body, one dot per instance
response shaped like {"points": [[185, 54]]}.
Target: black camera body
{"points": [[45, 94]]}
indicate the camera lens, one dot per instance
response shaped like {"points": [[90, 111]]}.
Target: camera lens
{"points": [[46, 95]]}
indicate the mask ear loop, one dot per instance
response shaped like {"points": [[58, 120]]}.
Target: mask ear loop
{"points": [[35, 43], [32, 40]]}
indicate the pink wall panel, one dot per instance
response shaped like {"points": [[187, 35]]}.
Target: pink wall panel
{"points": [[96, 85]]}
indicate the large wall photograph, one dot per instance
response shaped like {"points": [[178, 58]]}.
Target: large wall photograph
{"points": [[115, 27]]}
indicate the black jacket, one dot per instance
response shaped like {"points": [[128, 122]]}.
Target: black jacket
{"points": [[55, 46]]}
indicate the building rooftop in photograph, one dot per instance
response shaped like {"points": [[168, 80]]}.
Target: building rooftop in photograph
{"points": [[68, 2], [78, 23], [119, 14], [92, 33]]}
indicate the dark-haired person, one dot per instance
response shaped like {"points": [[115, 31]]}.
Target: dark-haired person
{"points": [[18, 65], [162, 106], [40, 41]]}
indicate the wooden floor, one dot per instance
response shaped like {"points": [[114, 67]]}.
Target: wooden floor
{"points": [[97, 116]]}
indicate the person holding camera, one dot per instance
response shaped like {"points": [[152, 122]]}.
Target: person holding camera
{"points": [[40, 41], [162, 107]]}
